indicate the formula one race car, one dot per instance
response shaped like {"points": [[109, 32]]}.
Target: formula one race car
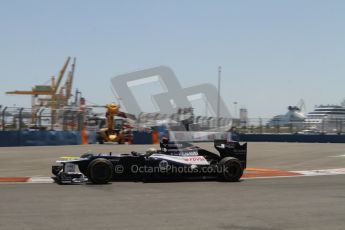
{"points": [[175, 160]]}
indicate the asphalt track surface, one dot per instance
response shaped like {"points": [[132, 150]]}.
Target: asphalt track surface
{"points": [[275, 203]]}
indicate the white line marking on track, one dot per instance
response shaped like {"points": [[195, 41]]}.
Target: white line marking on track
{"points": [[322, 172], [40, 180], [269, 177]]}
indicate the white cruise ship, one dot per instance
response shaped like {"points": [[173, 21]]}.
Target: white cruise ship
{"points": [[326, 118], [329, 112], [294, 116]]}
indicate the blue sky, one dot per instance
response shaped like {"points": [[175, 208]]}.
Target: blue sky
{"points": [[273, 53]]}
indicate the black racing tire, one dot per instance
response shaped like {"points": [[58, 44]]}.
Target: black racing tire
{"points": [[100, 171], [100, 139], [231, 169], [121, 142]]}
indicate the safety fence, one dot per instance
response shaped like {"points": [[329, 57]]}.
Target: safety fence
{"points": [[183, 122], [75, 119], [275, 126], [19, 118]]}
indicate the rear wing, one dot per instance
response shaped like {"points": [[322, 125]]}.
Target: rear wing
{"points": [[232, 149]]}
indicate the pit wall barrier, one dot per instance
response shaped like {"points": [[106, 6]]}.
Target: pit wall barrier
{"points": [[43, 138], [142, 138], [210, 136], [148, 138], [303, 138]]}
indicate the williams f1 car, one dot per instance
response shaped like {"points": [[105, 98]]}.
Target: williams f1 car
{"points": [[174, 160]]}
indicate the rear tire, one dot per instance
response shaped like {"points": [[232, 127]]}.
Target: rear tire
{"points": [[231, 169], [121, 142], [100, 139], [100, 171]]}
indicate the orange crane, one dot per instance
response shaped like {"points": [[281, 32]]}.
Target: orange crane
{"points": [[54, 98], [111, 133]]}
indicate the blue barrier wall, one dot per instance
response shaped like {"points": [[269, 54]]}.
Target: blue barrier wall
{"points": [[292, 138], [34, 138], [9, 138], [92, 136], [41, 138], [142, 138], [163, 131]]}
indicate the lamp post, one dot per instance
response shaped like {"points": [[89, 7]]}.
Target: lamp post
{"points": [[218, 100]]}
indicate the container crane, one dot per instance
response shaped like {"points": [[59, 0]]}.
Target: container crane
{"points": [[53, 95]]}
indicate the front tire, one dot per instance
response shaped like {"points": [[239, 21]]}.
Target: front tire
{"points": [[100, 171], [231, 169], [100, 141]]}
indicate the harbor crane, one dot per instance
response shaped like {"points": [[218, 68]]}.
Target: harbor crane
{"points": [[50, 96]]}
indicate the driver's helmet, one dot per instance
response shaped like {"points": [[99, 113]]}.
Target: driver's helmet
{"points": [[165, 140], [164, 144], [151, 151]]}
